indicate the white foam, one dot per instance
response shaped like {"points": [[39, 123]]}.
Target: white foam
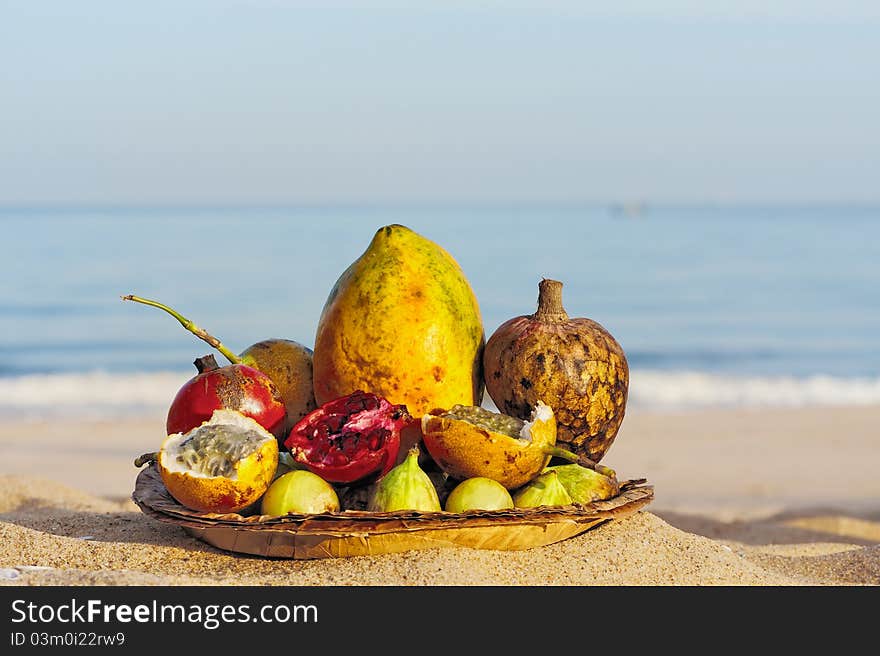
{"points": [[102, 395], [690, 390], [94, 394]]}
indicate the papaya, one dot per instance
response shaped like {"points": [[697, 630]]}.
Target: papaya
{"points": [[404, 323]]}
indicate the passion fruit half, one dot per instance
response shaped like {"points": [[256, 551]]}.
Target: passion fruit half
{"points": [[222, 466], [470, 442]]}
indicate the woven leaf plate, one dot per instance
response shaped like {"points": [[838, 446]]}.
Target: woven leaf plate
{"points": [[358, 533]]}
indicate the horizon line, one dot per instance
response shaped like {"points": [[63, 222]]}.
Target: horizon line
{"points": [[635, 205]]}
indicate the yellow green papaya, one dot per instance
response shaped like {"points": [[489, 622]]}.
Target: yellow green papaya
{"points": [[402, 322]]}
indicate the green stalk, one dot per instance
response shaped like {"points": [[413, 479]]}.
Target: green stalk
{"points": [[201, 333], [571, 457]]}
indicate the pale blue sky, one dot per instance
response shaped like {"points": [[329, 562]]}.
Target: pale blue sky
{"points": [[274, 102]]}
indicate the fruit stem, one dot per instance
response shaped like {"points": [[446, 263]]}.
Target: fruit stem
{"points": [[206, 363], [199, 332], [558, 452], [550, 308], [140, 461]]}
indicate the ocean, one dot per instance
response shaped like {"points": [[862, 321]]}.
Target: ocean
{"points": [[714, 306]]}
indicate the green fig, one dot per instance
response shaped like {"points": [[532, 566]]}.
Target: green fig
{"points": [[406, 487], [545, 490], [300, 492], [286, 464], [478, 493], [586, 485]]}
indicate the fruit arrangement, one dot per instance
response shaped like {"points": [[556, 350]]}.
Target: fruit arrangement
{"points": [[385, 414]]}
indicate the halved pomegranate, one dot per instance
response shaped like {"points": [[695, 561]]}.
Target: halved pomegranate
{"points": [[348, 439]]}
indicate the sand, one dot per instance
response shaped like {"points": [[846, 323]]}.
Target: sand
{"points": [[763, 497]]}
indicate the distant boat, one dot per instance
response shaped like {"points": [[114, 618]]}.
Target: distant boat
{"points": [[630, 210]]}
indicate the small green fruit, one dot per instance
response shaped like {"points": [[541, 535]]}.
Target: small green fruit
{"points": [[545, 490], [406, 487], [299, 492], [478, 493], [585, 485], [286, 464]]}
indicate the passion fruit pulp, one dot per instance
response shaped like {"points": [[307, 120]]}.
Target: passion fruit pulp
{"points": [[470, 442], [222, 466]]}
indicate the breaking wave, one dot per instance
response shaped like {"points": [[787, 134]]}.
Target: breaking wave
{"points": [[92, 395], [102, 395], [691, 390]]}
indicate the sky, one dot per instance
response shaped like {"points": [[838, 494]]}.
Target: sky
{"points": [[274, 102]]}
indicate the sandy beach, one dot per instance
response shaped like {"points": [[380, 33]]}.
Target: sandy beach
{"points": [[757, 497]]}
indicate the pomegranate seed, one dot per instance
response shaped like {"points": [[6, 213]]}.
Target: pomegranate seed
{"points": [[334, 423], [371, 403], [336, 459], [330, 445], [377, 439], [351, 447]]}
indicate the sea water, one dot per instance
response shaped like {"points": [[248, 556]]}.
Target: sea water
{"points": [[714, 306]]}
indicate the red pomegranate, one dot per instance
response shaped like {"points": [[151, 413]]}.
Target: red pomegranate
{"points": [[350, 438], [234, 387]]}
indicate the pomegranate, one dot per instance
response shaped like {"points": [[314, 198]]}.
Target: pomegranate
{"points": [[234, 387], [350, 438], [286, 362]]}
